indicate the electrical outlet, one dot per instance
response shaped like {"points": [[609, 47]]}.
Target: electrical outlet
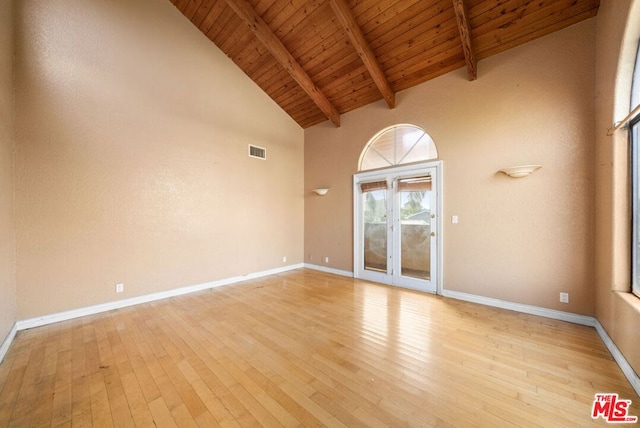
{"points": [[284, 259], [564, 297], [326, 259], [119, 288]]}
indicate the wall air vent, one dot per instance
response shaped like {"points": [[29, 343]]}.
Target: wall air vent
{"points": [[257, 152]]}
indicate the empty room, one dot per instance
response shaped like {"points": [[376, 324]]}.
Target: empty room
{"points": [[319, 213]]}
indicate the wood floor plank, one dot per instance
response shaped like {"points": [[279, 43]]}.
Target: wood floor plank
{"points": [[140, 412], [30, 387], [161, 414], [100, 408], [307, 348], [9, 393], [80, 402], [221, 415], [62, 404]]}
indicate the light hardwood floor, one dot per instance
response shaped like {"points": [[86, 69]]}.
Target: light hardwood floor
{"points": [[305, 348]]}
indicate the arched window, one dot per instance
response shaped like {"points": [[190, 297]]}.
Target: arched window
{"points": [[397, 145]]}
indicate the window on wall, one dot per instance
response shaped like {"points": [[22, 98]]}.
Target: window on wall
{"points": [[634, 137], [397, 145]]}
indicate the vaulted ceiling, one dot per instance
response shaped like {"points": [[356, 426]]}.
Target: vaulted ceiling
{"points": [[320, 58]]}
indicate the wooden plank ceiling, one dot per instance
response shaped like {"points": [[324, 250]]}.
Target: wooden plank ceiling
{"points": [[320, 58]]}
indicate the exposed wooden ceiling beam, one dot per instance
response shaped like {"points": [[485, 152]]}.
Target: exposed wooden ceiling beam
{"points": [[465, 37], [262, 31], [351, 27]]}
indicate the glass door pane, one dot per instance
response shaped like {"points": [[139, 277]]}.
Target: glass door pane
{"points": [[415, 227], [375, 230]]}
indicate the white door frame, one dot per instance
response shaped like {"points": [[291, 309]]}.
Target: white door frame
{"points": [[358, 223]]}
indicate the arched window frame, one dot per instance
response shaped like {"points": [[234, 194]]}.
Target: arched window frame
{"points": [[370, 149]]}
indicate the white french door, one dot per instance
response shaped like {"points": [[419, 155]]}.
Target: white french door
{"points": [[397, 226]]}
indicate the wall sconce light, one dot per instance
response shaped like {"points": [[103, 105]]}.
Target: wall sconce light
{"points": [[321, 192], [520, 170]]}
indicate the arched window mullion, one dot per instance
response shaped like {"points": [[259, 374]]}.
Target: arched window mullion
{"points": [[383, 157], [412, 147]]}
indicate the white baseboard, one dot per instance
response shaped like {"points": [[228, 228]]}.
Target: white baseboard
{"points": [[624, 365], [7, 341], [619, 358], [520, 307], [329, 270], [105, 307]]}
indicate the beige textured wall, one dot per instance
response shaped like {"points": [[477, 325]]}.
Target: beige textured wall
{"points": [[618, 311], [518, 240], [131, 164], [7, 227]]}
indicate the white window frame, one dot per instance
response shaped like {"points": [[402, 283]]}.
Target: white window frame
{"points": [[634, 145], [634, 138]]}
